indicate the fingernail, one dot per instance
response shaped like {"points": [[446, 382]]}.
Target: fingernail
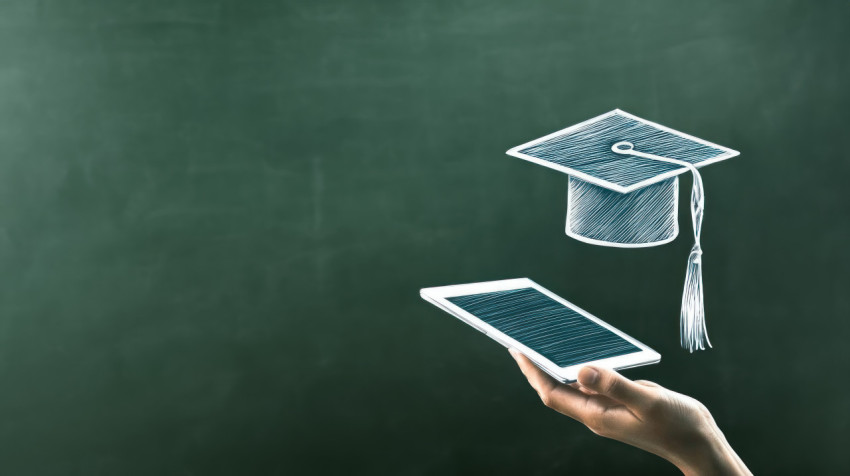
{"points": [[588, 376], [513, 352]]}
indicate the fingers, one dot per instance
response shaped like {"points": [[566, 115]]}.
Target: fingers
{"points": [[609, 383], [603, 415], [539, 380], [562, 398], [601, 399], [581, 389]]}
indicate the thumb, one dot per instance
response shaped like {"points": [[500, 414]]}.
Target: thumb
{"points": [[611, 384]]}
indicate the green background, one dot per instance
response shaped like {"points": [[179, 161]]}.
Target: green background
{"points": [[215, 218]]}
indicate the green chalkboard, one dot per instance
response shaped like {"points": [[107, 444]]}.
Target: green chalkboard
{"points": [[215, 217]]}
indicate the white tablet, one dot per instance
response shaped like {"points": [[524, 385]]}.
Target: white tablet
{"points": [[555, 334]]}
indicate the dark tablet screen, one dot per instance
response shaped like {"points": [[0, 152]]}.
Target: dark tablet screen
{"points": [[551, 329]]}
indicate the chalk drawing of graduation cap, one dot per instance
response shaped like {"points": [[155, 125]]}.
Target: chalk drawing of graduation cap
{"points": [[624, 191]]}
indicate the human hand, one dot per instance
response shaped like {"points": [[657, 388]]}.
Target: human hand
{"points": [[640, 413]]}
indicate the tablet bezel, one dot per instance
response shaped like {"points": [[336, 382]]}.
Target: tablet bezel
{"points": [[438, 296]]}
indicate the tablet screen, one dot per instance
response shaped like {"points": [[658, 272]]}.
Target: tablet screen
{"points": [[553, 330]]}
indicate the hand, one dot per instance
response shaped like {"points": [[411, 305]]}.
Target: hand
{"points": [[642, 414]]}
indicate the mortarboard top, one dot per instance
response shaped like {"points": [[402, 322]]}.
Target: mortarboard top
{"points": [[623, 191], [584, 151]]}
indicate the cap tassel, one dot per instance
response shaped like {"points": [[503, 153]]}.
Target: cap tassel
{"points": [[692, 331]]}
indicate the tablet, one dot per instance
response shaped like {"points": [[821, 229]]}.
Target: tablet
{"points": [[558, 336]]}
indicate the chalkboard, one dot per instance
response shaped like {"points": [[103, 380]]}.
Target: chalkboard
{"points": [[215, 217]]}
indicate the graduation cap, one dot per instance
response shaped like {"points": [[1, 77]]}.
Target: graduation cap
{"points": [[624, 191]]}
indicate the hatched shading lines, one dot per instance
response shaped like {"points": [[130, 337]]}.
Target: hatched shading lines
{"points": [[643, 216], [560, 334]]}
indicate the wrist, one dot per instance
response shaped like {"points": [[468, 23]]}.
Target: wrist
{"points": [[710, 454]]}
